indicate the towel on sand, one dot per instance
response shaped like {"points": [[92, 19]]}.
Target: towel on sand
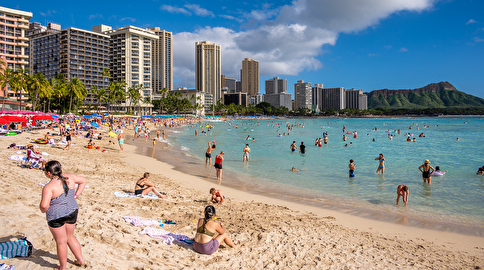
{"points": [[131, 195]]}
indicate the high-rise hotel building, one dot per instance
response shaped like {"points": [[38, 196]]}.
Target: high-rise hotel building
{"points": [[162, 53], [13, 40], [208, 76], [72, 52], [303, 95], [250, 77], [131, 56]]}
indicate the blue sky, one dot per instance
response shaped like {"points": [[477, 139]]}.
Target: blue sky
{"points": [[361, 44]]}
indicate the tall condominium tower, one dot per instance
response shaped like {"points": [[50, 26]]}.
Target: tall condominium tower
{"points": [[250, 76], [131, 56], [208, 69], [72, 52], [302, 95], [332, 98], [162, 60], [13, 41], [84, 55], [44, 49], [276, 85]]}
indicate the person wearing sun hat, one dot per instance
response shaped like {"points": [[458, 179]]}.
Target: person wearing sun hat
{"points": [[33, 157], [426, 171]]}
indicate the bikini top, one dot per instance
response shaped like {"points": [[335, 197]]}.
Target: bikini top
{"points": [[141, 186], [203, 230]]}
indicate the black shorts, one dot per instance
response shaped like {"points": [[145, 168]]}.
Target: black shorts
{"points": [[218, 166], [69, 219], [138, 191], [208, 155]]}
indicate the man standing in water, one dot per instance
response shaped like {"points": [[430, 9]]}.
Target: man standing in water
{"points": [[293, 146], [352, 167], [246, 152], [302, 148], [208, 154]]}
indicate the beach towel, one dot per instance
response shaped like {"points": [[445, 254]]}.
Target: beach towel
{"points": [[132, 195], [168, 237], [18, 157], [4, 266], [19, 248], [136, 221]]}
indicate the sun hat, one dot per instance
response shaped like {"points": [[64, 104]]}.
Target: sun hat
{"points": [[426, 161], [30, 145]]}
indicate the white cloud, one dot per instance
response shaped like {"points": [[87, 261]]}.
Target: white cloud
{"points": [[228, 17], [48, 13], [372, 54], [200, 11], [127, 19], [478, 39], [173, 9], [471, 21], [96, 16], [286, 40], [403, 49]]}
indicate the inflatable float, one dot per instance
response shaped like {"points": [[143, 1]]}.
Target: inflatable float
{"points": [[41, 141]]}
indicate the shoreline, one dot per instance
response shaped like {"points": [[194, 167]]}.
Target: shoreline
{"points": [[443, 237]]}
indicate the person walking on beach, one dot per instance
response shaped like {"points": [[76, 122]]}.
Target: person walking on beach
{"points": [[402, 190], [208, 154], [246, 152], [144, 187], [302, 148], [381, 165], [352, 167], [205, 241], [59, 204], [218, 165], [293, 146], [121, 139], [68, 140], [426, 171]]}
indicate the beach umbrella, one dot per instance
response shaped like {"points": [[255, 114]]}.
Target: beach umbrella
{"points": [[3, 121], [42, 117], [12, 118]]}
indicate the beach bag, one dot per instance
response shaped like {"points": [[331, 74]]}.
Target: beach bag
{"points": [[19, 248]]}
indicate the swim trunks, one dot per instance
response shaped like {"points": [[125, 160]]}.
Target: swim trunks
{"points": [[352, 173], [218, 166], [207, 248], [209, 155], [246, 154], [121, 141], [69, 219]]}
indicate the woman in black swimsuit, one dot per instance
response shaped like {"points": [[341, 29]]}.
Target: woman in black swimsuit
{"points": [[426, 170], [144, 187], [68, 139]]}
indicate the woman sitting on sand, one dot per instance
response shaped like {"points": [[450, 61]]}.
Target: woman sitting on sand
{"points": [[205, 241], [144, 187]]}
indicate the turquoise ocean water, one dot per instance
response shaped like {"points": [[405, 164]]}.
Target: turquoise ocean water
{"points": [[455, 198]]}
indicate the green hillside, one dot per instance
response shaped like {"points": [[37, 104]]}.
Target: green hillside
{"points": [[435, 95]]}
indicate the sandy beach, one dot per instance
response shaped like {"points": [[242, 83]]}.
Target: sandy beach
{"points": [[275, 234]]}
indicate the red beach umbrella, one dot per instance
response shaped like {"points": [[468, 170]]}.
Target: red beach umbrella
{"points": [[42, 117], [11, 118], [3, 121]]}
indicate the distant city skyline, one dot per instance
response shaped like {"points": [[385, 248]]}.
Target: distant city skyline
{"points": [[366, 45]]}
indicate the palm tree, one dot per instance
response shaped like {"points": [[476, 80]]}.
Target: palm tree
{"points": [[6, 77], [75, 88], [117, 92], [58, 85], [134, 94], [99, 94], [19, 82], [37, 84], [163, 92]]}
